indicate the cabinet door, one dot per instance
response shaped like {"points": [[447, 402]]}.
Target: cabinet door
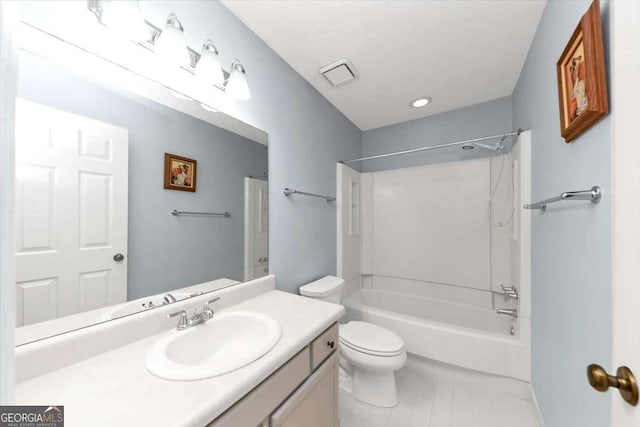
{"points": [[262, 400], [315, 402]]}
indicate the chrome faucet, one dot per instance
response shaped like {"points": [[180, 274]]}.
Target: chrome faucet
{"points": [[168, 299], [510, 292], [508, 312], [186, 322]]}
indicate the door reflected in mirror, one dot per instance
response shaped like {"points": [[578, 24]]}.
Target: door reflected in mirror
{"points": [[101, 232]]}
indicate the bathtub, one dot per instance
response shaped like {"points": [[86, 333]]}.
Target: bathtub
{"points": [[462, 335]]}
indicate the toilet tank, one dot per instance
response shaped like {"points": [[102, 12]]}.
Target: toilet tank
{"points": [[328, 289]]}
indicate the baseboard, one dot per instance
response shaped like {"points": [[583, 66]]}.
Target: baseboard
{"points": [[536, 407]]}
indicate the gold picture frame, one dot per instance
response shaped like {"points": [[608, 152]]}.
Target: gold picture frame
{"points": [[179, 173]]}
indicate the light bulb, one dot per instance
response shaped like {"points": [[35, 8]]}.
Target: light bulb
{"points": [[237, 87], [125, 18], [208, 68], [171, 45]]}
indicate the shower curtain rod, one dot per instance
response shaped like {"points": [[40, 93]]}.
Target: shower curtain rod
{"points": [[433, 147]]}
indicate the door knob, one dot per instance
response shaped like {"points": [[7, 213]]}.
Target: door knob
{"points": [[118, 257], [624, 381]]}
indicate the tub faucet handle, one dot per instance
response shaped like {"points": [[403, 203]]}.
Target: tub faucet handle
{"points": [[508, 312], [509, 292]]}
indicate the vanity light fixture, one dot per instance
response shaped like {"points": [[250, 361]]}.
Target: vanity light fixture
{"points": [[421, 102], [125, 17], [208, 68], [237, 86], [171, 45]]}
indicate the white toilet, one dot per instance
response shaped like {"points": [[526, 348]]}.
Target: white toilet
{"points": [[369, 354]]}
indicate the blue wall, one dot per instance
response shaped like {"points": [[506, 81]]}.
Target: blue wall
{"points": [[487, 118], [571, 249]]}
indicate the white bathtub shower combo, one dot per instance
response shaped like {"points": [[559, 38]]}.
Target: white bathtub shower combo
{"points": [[439, 255]]}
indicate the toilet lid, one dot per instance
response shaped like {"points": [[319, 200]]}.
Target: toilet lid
{"points": [[369, 338]]}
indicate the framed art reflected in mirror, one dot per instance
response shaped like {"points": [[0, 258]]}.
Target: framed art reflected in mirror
{"points": [[179, 173]]}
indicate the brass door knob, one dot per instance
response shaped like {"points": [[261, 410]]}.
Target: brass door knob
{"points": [[624, 381]]}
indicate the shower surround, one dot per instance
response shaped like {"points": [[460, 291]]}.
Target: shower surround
{"points": [[425, 253]]}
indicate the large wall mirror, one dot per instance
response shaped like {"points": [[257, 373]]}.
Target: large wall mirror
{"points": [[124, 203]]}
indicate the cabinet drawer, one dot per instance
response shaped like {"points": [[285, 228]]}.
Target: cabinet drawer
{"points": [[324, 345], [252, 409]]}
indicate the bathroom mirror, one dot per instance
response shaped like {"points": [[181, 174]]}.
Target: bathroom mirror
{"points": [[126, 199]]}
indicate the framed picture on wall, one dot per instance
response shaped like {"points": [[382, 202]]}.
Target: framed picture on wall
{"points": [[179, 173], [582, 81]]}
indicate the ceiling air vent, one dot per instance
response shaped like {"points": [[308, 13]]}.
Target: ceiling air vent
{"points": [[340, 72]]}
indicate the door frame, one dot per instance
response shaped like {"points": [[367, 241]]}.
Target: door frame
{"points": [[8, 86], [625, 190], [248, 230]]}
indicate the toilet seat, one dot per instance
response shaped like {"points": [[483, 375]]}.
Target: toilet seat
{"points": [[370, 339], [373, 363]]}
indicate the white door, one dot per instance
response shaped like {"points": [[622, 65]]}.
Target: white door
{"points": [[71, 213], [256, 228], [625, 85]]}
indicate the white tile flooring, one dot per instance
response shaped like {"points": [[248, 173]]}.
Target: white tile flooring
{"points": [[433, 395]]}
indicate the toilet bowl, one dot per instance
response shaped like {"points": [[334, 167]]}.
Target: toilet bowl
{"points": [[369, 354]]}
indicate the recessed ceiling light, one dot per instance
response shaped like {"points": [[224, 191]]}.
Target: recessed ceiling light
{"points": [[421, 102]]}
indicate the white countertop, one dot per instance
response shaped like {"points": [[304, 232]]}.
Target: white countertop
{"points": [[115, 388]]}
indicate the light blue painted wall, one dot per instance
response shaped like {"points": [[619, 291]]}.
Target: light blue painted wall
{"points": [[571, 250], [307, 136], [487, 118], [164, 252]]}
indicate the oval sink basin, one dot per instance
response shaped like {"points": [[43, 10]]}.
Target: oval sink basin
{"points": [[225, 343]]}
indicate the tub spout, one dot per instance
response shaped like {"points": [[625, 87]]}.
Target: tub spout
{"points": [[508, 312]]}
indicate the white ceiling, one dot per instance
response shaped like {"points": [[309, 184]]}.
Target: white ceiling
{"points": [[460, 52]]}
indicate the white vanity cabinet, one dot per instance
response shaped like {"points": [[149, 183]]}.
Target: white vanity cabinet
{"points": [[301, 393], [314, 403]]}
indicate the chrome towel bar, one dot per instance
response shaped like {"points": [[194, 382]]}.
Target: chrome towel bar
{"points": [[594, 195], [289, 191], [176, 212]]}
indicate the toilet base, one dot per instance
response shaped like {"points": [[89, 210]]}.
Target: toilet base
{"points": [[375, 388]]}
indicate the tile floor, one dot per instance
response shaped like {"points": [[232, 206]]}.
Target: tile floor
{"points": [[439, 396]]}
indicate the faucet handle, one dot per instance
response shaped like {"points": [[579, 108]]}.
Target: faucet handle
{"points": [[208, 311], [182, 322], [509, 292]]}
